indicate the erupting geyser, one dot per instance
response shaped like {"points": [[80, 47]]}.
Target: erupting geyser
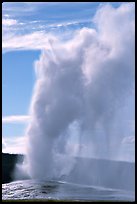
{"points": [[81, 86]]}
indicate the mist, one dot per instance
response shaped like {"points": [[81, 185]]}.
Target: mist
{"points": [[83, 87]]}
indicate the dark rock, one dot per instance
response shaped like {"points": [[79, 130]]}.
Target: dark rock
{"points": [[8, 164]]}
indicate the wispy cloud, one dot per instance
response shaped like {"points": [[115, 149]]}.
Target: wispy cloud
{"points": [[14, 145], [18, 8], [23, 34], [9, 22], [15, 119], [32, 41], [35, 35]]}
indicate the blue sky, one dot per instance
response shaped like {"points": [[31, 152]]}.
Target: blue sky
{"points": [[25, 30]]}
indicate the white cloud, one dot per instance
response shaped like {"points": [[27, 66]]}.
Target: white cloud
{"points": [[33, 35], [9, 22], [6, 15], [15, 119], [3, 143], [36, 40], [36, 34], [70, 23], [14, 145]]}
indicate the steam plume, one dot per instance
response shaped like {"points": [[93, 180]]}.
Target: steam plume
{"points": [[81, 85]]}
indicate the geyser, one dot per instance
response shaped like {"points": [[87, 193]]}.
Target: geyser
{"points": [[81, 87]]}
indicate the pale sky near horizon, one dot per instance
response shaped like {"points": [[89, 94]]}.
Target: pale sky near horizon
{"points": [[25, 27]]}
